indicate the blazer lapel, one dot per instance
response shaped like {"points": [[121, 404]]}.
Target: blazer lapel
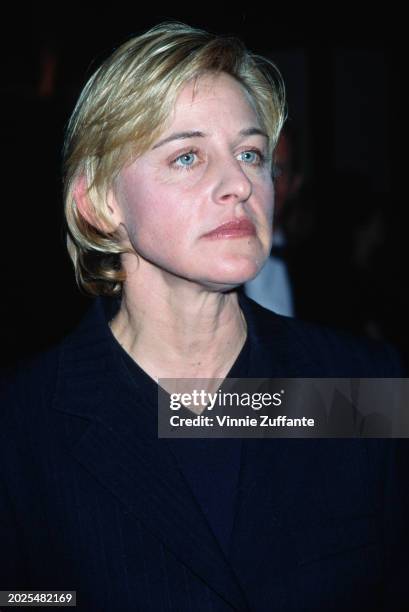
{"points": [[120, 447]]}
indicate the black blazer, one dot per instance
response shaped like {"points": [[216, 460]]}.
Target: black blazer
{"points": [[91, 500]]}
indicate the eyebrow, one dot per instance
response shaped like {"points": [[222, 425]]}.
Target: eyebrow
{"points": [[252, 131]]}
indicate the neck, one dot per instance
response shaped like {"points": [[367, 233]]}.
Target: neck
{"points": [[179, 330]]}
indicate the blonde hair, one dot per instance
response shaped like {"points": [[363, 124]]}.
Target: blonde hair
{"points": [[121, 112]]}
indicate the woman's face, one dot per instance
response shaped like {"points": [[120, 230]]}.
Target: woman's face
{"points": [[198, 205]]}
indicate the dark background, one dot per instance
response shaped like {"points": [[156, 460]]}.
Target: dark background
{"points": [[345, 73]]}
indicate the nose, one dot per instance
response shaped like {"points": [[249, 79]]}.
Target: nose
{"points": [[231, 183]]}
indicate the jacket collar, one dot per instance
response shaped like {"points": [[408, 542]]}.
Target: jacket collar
{"points": [[279, 349]]}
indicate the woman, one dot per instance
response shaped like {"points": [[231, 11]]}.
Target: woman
{"points": [[169, 201]]}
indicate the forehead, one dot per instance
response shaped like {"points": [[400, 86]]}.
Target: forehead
{"points": [[214, 96]]}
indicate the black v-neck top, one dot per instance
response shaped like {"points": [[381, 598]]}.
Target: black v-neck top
{"points": [[211, 467]]}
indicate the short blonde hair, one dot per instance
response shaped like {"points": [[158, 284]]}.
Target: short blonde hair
{"points": [[121, 112]]}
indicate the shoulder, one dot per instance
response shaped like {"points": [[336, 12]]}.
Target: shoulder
{"points": [[318, 350], [27, 427], [29, 387], [65, 372]]}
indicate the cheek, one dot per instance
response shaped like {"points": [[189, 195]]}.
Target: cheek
{"points": [[155, 220]]}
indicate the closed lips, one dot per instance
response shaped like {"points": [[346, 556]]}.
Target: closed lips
{"points": [[239, 227]]}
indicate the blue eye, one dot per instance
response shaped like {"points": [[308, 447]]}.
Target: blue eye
{"points": [[252, 157], [186, 160]]}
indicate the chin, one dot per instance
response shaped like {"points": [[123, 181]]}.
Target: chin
{"points": [[232, 274]]}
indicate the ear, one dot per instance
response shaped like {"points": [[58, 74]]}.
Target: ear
{"points": [[87, 210]]}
